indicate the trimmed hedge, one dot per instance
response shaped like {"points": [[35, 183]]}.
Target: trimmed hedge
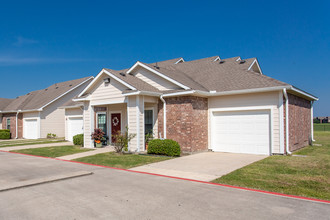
{"points": [[4, 134], [164, 147], [78, 139]]}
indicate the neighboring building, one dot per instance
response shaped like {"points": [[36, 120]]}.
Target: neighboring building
{"points": [[36, 114], [225, 105], [323, 119]]}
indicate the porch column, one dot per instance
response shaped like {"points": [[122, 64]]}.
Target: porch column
{"points": [[135, 122], [88, 124]]}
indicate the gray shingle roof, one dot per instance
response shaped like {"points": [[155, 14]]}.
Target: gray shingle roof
{"points": [[4, 103], [37, 99]]}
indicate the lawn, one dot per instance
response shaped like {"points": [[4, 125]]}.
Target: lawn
{"points": [[53, 151], [322, 127], [124, 161], [305, 174], [21, 142]]}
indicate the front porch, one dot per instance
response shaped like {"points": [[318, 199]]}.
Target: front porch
{"points": [[138, 113]]}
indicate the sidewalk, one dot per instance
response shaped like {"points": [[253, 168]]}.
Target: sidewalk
{"points": [[88, 153], [35, 146]]}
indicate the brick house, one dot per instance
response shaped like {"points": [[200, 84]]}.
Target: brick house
{"points": [[37, 113], [225, 105]]}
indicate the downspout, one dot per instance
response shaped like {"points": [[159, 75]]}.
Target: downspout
{"points": [[286, 122], [17, 124], [164, 110], [312, 126]]}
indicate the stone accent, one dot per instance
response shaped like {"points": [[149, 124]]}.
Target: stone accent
{"points": [[12, 117], [299, 122], [187, 122]]}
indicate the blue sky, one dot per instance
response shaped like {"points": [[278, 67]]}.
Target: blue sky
{"points": [[45, 42]]}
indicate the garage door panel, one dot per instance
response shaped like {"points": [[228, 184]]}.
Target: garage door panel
{"points": [[31, 128], [75, 126], [241, 132]]}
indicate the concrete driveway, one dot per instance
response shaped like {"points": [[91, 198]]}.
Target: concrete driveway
{"points": [[205, 166], [117, 194]]}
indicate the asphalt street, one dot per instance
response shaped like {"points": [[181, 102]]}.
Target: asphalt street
{"points": [[117, 194]]}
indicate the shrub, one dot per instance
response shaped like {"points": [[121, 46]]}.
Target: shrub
{"points": [[50, 135], [122, 140], [164, 147], [78, 139], [4, 134]]}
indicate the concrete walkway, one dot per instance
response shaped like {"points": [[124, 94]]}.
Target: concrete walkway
{"points": [[35, 146], [202, 166], [88, 153]]}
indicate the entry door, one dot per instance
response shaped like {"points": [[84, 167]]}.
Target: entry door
{"points": [[115, 125]]}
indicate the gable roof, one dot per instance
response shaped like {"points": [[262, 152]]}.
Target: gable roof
{"points": [[36, 100]]}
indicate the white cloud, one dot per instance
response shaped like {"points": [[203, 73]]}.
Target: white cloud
{"points": [[20, 41]]}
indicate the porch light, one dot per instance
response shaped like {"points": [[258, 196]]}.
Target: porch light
{"points": [[106, 80]]}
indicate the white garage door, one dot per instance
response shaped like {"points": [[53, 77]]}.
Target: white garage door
{"points": [[75, 126], [241, 132], [31, 128]]}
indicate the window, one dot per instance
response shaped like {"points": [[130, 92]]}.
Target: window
{"points": [[148, 121], [102, 121], [8, 123]]}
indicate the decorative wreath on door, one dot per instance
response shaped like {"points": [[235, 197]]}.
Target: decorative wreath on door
{"points": [[115, 121]]}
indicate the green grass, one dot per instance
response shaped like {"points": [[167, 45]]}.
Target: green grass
{"points": [[303, 176], [28, 142], [53, 151], [322, 127], [124, 161]]}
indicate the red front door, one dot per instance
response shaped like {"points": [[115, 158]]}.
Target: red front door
{"points": [[115, 125]]}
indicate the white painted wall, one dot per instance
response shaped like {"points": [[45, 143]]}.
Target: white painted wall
{"points": [[102, 93], [88, 124], [257, 100], [153, 79]]}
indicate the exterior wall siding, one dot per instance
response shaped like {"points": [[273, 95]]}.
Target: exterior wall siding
{"points": [[68, 113], [107, 93], [269, 100], [88, 111], [299, 122], [186, 122], [154, 80]]}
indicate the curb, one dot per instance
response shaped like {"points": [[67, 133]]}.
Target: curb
{"points": [[191, 180]]}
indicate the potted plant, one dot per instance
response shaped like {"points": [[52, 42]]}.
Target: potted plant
{"points": [[97, 136], [148, 137]]}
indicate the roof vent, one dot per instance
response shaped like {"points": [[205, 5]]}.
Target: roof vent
{"points": [[56, 87], [221, 61], [28, 94], [242, 61], [156, 66], [70, 85], [122, 74], [46, 89]]}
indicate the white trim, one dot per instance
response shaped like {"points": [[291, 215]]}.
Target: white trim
{"points": [[256, 61], [66, 92], [39, 125], [281, 118], [217, 59], [153, 119], [286, 122], [71, 107], [92, 119], [235, 109], [164, 116], [238, 59], [21, 111], [157, 73], [128, 122], [179, 93], [233, 92], [137, 102], [304, 93], [81, 99], [107, 103], [17, 124], [143, 93], [106, 119], [312, 121], [98, 76], [179, 61], [110, 124]]}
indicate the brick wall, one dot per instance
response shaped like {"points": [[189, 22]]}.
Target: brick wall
{"points": [[187, 122], [12, 117], [299, 122]]}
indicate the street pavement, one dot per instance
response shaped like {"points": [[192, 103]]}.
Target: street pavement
{"points": [[118, 194]]}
